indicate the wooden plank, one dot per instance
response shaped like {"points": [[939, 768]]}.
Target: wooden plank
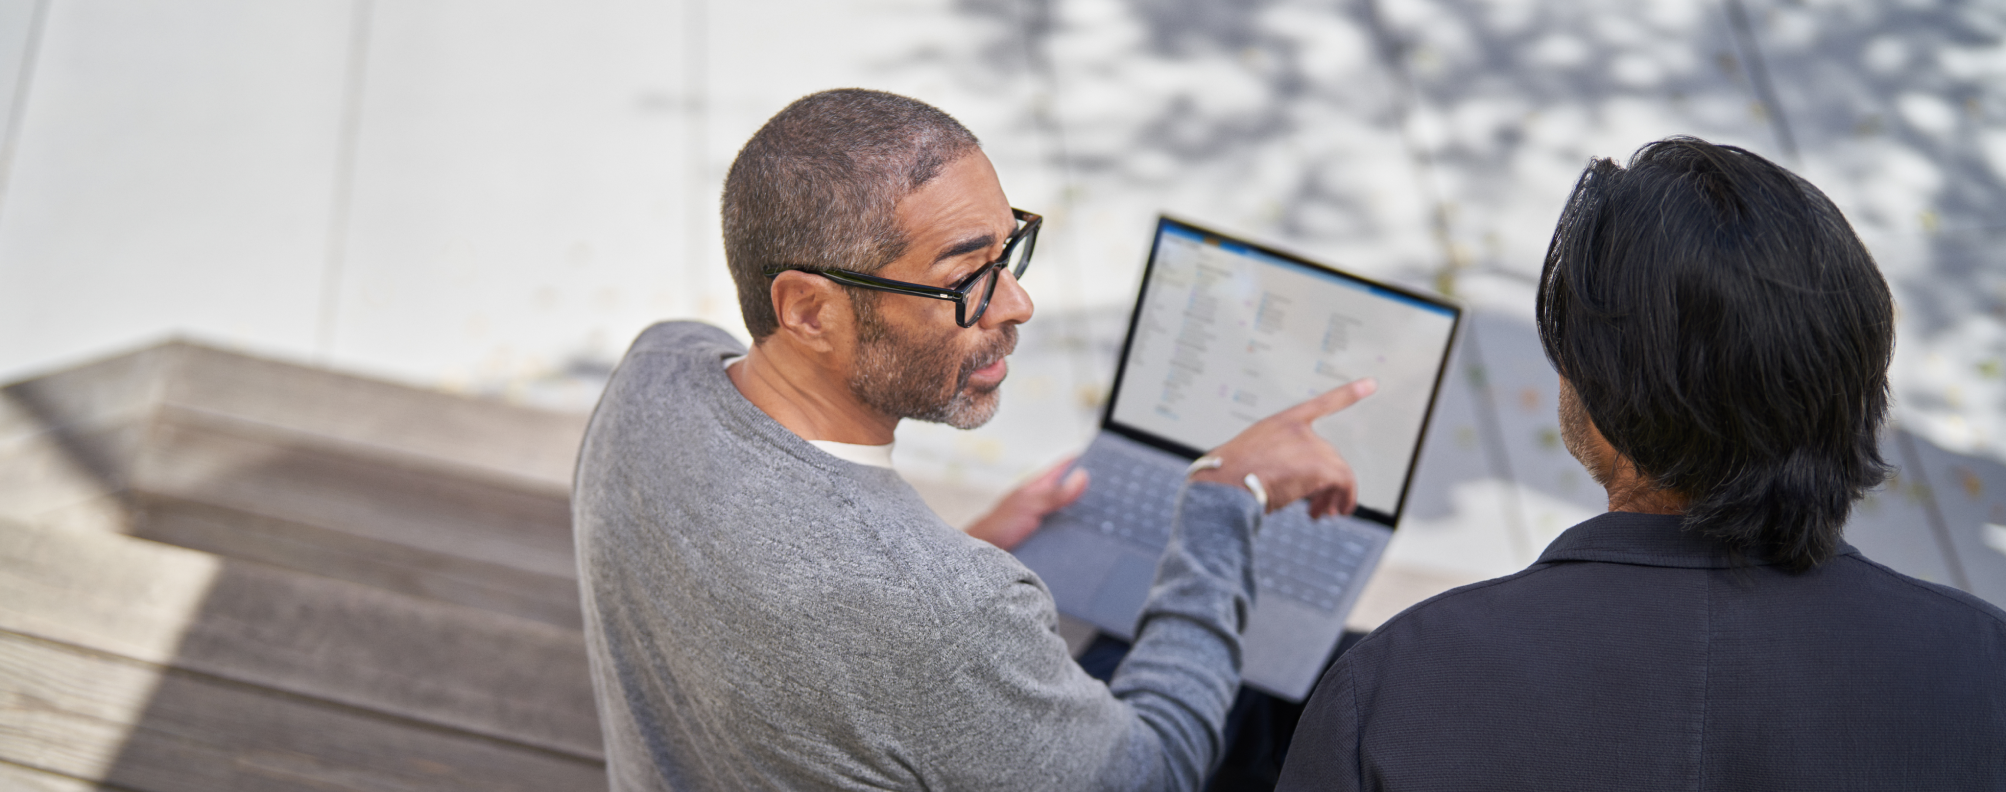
{"points": [[44, 725], [109, 514], [193, 732], [70, 437], [27, 779], [518, 442], [58, 469], [437, 663], [389, 566], [476, 437], [193, 458], [118, 389], [110, 592]]}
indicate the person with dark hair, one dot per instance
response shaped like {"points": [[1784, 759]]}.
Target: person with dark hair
{"points": [[1722, 339], [769, 606]]}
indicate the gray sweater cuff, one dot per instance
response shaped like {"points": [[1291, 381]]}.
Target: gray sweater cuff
{"points": [[1207, 572], [1184, 669]]}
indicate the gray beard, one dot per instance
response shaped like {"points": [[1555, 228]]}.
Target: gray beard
{"points": [[905, 379]]}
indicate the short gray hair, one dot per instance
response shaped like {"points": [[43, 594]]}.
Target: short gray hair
{"points": [[817, 186]]}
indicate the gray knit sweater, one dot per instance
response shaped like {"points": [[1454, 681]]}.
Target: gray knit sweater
{"points": [[761, 615]]}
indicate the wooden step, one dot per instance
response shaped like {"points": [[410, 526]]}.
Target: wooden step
{"points": [[530, 448], [17, 778], [69, 711], [450, 667], [389, 566], [220, 572], [427, 494]]}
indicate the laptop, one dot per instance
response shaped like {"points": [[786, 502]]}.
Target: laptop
{"points": [[1225, 333]]}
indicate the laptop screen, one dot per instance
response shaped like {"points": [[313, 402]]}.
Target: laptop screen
{"points": [[1226, 333]]}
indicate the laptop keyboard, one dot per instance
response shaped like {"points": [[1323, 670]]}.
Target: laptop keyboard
{"points": [[1132, 499], [1305, 561]]}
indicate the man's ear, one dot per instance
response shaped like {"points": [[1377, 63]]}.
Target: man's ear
{"points": [[811, 309]]}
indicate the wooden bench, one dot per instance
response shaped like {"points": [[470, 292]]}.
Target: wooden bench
{"points": [[221, 572]]}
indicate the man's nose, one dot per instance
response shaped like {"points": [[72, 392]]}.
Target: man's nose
{"points": [[1009, 305]]}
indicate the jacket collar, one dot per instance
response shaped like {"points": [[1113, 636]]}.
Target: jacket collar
{"points": [[1658, 540]]}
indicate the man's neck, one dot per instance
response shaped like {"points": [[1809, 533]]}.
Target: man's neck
{"points": [[1630, 491], [1647, 502], [808, 398]]}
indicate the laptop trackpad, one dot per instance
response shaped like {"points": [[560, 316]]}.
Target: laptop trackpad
{"points": [[1122, 593]]}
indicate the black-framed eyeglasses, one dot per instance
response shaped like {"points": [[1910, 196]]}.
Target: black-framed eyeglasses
{"points": [[1016, 257]]}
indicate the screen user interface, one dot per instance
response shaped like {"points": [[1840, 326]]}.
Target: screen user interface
{"points": [[1227, 335]]}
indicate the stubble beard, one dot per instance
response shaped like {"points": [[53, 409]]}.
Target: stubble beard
{"points": [[910, 378]]}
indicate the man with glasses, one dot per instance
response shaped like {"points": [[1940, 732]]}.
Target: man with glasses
{"points": [[769, 606]]}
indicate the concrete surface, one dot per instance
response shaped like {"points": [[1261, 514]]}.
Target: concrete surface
{"points": [[493, 197]]}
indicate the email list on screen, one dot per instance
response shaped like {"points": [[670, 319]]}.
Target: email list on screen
{"points": [[1229, 334]]}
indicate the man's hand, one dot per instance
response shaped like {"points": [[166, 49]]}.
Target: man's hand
{"points": [[1019, 513], [1290, 459]]}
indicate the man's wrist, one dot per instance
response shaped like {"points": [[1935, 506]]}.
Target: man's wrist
{"points": [[1212, 469], [1253, 485]]}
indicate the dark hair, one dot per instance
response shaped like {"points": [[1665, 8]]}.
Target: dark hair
{"points": [[1729, 334], [817, 186]]}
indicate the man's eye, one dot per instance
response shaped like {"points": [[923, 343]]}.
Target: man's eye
{"points": [[961, 276]]}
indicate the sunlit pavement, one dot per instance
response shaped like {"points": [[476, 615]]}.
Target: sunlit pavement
{"points": [[493, 197]]}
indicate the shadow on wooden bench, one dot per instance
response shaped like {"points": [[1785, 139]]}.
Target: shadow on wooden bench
{"points": [[219, 572]]}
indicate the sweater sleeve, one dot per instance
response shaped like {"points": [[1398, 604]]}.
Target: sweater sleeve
{"points": [[1184, 669], [1015, 711]]}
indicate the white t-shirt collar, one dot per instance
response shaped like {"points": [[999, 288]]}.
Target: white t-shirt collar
{"points": [[872, 455]]}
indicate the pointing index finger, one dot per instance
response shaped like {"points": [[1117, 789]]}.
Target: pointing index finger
{"points": [[1335, 399]]}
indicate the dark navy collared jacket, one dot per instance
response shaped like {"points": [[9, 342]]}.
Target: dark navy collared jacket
{"points": [[1638, 656]]}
